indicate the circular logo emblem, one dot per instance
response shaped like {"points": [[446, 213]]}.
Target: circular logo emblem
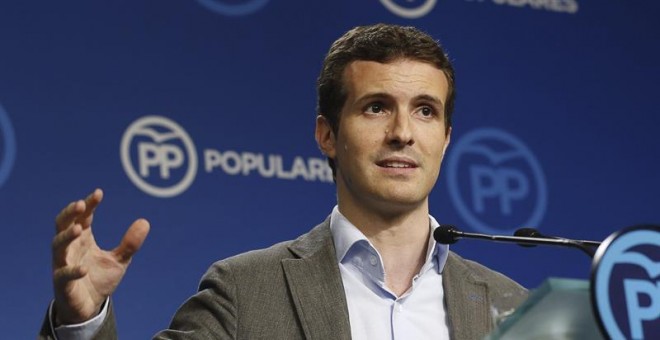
{"points": [[233, 8], [158, 156], [7, 146], [412, 9], [495, 182], [626, 284]]}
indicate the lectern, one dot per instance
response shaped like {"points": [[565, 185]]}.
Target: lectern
{"points": [[558, 309], [621, 301]]}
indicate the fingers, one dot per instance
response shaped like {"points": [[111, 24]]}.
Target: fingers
{"points": [[80, 211], [67, 274], [132, 241], [64, 238], [91, 202], [62, 272], [66, 217]]}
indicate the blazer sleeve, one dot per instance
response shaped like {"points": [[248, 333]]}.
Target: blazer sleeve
{"points": [[209, 314], [107, 331]]}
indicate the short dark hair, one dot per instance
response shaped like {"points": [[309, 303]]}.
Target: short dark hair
{"points": [[382, 43]]}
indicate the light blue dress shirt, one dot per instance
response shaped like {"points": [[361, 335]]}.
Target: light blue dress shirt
{"points": [[374, 311]]}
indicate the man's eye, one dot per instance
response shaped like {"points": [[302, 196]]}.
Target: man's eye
{"points": [[427, 111], [375, 108]]}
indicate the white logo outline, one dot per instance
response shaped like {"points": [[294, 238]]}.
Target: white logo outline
{"points": [[139, 127], [409, 13]]}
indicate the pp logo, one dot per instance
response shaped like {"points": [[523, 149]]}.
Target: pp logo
{"points": [[412, 9], [154, 152], [495, 181], [233, 7], [626, 284], [7, 146]]}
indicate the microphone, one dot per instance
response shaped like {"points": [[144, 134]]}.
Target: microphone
{"points": [[449, 234], [531, 232], [446, 234]]}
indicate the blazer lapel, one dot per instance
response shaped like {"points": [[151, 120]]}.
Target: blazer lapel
{"points": [[467, 302], [316, 287]]}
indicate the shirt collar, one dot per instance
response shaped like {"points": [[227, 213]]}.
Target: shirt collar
{"points": [[345, 235]]}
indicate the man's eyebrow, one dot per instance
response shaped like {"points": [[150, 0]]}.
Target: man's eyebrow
{"points": [[432, 100], [371, 96], [429, 98], [384, 96]]}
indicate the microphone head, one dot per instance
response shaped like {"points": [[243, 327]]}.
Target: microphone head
{"points": [[445, 234]]}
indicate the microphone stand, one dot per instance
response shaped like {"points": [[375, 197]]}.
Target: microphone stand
{"points": [[449, 234]]}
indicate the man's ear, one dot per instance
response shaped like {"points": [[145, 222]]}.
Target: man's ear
{"points": [[447, 140], [325, 137]]}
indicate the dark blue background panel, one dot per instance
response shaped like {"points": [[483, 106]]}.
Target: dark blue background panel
{"points": [[555, 128]]}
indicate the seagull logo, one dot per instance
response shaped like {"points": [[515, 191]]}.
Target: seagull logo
{"points": [[158, 143], [494, 180], [626, 285]]}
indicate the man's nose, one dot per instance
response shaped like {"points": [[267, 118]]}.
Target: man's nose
{"points": [[400, 129]]}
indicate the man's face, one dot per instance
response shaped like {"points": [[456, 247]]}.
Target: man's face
{"points": [[391, 136]]}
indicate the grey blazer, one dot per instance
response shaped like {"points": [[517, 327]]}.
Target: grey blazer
{"points": [[293, 290]]}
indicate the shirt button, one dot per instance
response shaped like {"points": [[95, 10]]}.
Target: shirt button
{"points": [[373, 260]]}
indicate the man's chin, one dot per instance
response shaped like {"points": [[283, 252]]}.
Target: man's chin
{"points": [[401, 202]]}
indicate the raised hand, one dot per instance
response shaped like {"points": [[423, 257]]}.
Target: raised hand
{"points": [[83, 274]]}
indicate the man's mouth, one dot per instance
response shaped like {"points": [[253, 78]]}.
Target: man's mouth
{"points": [[398, 164]]}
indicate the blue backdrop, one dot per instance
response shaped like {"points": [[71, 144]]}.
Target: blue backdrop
{"points": [[199, 116]]}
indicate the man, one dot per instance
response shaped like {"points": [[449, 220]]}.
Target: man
{"points": [[371, 270]]}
